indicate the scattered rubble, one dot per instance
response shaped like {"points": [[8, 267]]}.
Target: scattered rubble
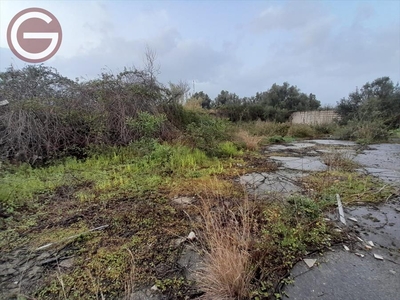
{"points": [[310, 262]]}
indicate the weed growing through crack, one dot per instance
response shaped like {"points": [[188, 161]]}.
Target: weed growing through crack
{"points": [[352, 187], [339, 161]]}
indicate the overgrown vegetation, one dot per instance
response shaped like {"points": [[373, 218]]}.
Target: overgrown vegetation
{"points": [[117, 150], [369, 113]]}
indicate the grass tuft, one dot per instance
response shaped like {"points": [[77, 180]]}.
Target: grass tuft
{"points": [[250, 141], [226, 272]]}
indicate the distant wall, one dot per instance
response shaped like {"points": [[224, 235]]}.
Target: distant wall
{"points": [[314, 117]]}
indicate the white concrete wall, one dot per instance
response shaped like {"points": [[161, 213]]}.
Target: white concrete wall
{"points": [[314, 117]]}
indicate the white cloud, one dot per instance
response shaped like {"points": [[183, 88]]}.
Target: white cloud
{"points": [[301, 42]]}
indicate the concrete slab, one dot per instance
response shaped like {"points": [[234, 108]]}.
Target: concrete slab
{"points": [[307, 163], [279, 182], [344, 275]]}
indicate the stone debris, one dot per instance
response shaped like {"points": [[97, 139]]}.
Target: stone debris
{"points": [[184, 200], [352, 219], [191, 236], [310, 262], [154, 288], [377, 256], [392, 272], [346, 248], [359, 254], [67, 263], [371, 243], [340, 209]]}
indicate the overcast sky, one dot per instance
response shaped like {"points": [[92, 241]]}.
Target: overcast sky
{"points": [[324, 47]]}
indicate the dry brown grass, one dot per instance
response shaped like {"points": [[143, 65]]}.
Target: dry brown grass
{"points": [[263, 128], [226, 272], [130, 280], [194, 104], [251, 141]]}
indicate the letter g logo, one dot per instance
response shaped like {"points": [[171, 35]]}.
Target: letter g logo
{"points": [[34, 35]]}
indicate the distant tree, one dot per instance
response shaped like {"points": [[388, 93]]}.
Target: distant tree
{"points": [[280, 101], [226, 98], [205, 99], [277, 103], [379, 99]]}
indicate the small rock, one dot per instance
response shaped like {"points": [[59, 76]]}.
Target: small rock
{"points": [[360, 239], [368, 247], [154, 288], [184, 200], [392, 272], [67, 263], [346, 248], [179, 241], [191, 236], [359, 254], [371, 243], [377, 256], [352, 219], [310, 262]]}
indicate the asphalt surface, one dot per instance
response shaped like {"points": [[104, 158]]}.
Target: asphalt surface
{"points": [[341, 274]]}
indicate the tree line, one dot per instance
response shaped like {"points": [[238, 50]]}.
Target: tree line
{"points": [[49, 115], [276, 104]]}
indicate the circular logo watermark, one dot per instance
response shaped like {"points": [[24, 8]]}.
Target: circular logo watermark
{"points": [[34, 35]]}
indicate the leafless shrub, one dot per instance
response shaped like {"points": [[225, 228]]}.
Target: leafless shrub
{"points": [[51, 116]]}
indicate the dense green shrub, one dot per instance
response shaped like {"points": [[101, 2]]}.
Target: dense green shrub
{"points": [[147, 125], [364, 131], [207, 132], [228, 149]]}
